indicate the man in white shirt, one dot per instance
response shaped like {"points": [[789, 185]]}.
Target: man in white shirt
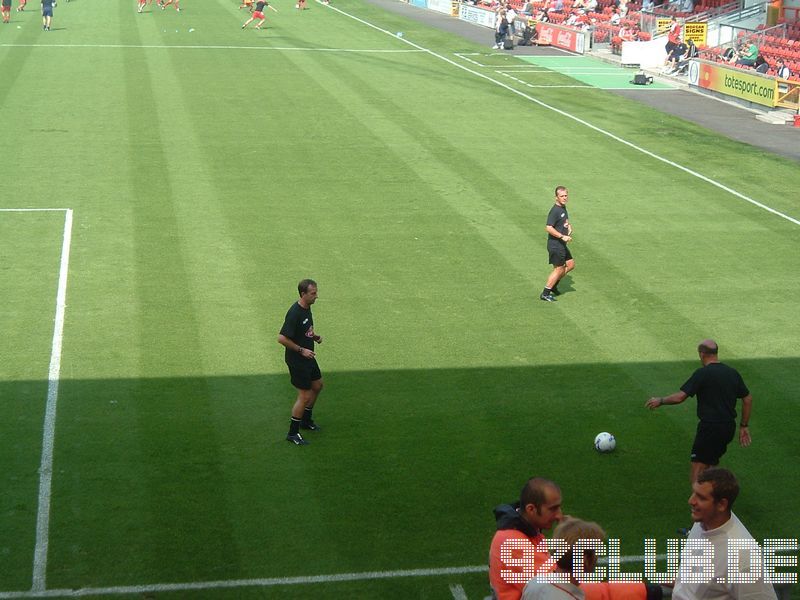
{"points": [[713, 494], [511, 17], [782, 70]]}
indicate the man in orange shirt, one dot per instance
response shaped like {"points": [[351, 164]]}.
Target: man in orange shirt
{"points": [[516, 554], [539, 509]]}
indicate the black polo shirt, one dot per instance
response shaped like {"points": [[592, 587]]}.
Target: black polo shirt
{"points": [[557, 218], [298, 326], [717, 386]]}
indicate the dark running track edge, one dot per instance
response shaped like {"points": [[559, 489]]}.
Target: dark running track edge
{"points": [[731, 121]]}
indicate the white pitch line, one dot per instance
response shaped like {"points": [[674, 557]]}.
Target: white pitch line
{"points": [[189, 47], [46, 468], [532, 86], [572, 117], [242, 583], [264, 582], [458, 592], [33, 209]]}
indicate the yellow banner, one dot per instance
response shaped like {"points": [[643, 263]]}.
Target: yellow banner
{"points": [[738, 83], [697, 32], [662, 26]]}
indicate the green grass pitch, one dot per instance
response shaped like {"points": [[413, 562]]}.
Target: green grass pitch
{"points": [[209, 169]]}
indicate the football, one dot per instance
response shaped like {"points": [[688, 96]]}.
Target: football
{"points": [[605, 442]]}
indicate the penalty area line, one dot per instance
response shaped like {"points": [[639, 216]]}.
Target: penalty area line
{"points": [[264, 582], [54, 373], [572, 117]]}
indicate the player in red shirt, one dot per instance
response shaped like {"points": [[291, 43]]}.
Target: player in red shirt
{"points": [[168, 2], [258, 13]]}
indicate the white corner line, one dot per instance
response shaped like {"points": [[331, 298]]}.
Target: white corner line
{"points": [[46, 468], [563, 113]]}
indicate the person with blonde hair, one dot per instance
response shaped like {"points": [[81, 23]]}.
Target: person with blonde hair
{"points": [[570, 531]]}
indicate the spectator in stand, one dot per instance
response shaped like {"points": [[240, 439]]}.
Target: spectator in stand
{"points": [[528, 8], [762, 66], [571, 20], [673, 37], [558, 6], [542, 17], [747, 55], [591, 5], [579, 4], [626, 34], [647, 5], [674, 58], [615, 17], [729, 55], [683, 62], [781, 70], [623, 8], [529, 34], [679, 59]]}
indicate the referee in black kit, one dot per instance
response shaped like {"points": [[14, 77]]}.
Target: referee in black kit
{"points": [[717, 387], [298, 337], [559, 233]]}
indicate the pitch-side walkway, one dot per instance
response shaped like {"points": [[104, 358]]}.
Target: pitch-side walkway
{"points": [[727, 118]]}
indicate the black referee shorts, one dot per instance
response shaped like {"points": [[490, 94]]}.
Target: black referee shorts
{"points": [[303, 373], [559, 254], [711, 441]]}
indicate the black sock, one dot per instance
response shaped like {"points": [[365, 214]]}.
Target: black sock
{"points": [[307, 415], [547, 291], [294, 426]]}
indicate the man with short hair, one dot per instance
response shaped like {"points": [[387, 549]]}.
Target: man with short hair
{"points": [[298, 337], [715, 525], [538, 509], [47, 13], [781, 70], [717, 387], [559, 233], [747, 55], [519, 540]]}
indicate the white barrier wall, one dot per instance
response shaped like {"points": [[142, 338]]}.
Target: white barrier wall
{"points": [[648, 55], [442, 6], [477, 15]]}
